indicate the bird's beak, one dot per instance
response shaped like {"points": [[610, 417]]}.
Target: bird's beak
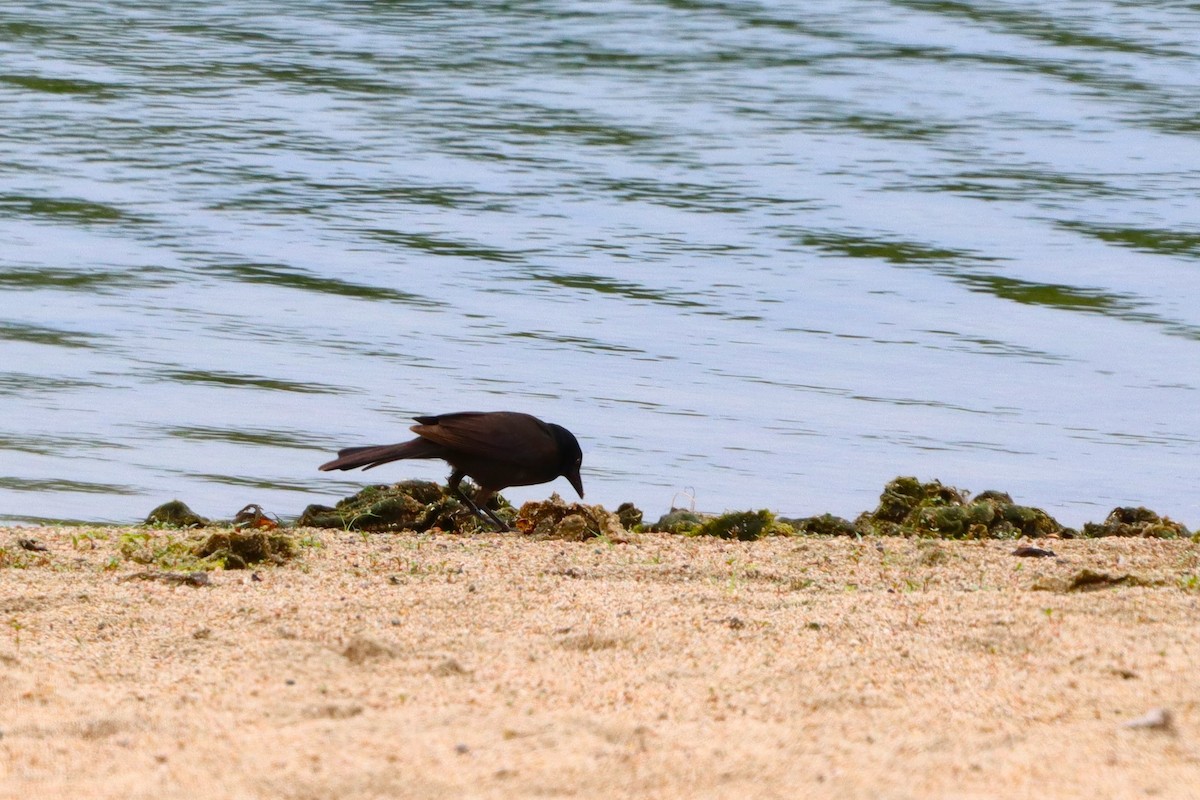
{"points": [[576, 481]]}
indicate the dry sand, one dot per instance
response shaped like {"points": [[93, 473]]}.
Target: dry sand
{"points": [[494, 666]]}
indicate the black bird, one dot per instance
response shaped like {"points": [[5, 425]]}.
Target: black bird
{"points": [[496, 449]]}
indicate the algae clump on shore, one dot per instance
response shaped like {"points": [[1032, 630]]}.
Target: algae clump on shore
{"points": [[1140, 522], [745, 526], [908, 507], [409, 505], [557, 519], [175, 514]]}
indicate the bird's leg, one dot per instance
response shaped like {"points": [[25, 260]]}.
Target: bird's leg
{"points": [[483, 513]]}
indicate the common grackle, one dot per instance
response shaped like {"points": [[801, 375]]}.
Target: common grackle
{"points": [[496, 449]]}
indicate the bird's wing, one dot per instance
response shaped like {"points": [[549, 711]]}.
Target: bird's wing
{"points": [[500, 435]]}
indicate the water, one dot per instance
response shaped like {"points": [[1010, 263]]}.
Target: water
{"points": [[755, 254]]}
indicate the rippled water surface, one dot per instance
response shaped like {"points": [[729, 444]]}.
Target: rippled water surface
{"points": [[759, 253]]}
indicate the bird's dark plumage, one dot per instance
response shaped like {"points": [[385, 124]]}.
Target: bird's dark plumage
{"points": [[496, 449]]}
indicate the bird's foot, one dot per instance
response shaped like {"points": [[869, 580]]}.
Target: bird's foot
{"points": [[485, 514]]}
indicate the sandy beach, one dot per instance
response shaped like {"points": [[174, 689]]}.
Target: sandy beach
{"points": [[490, 665]]}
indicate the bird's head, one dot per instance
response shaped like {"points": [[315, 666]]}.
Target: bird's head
{"points": [[570, 456]]}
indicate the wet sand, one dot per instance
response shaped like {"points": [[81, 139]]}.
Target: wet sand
{"points": [[494, 666]]}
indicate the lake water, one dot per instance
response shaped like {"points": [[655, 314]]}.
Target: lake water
{"points": [[754, 254]]}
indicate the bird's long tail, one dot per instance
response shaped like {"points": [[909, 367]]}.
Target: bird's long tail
{"points": [[376, 454]]}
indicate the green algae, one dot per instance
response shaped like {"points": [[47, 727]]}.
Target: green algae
{"points": [[410, 505], [575, 522], [1137, 522], [910, 508], [164, 549], [822, 525], [630, 516], [907, 508], [679, 520], [175, 514], [240, 549], [1089, 580], [744, 526]]}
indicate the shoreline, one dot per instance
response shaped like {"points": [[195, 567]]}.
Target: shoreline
{"points": [[907, 506]]}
